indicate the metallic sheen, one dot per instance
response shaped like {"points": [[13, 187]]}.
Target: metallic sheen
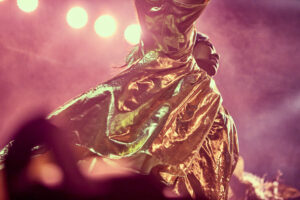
{"points": [[163, 113]]}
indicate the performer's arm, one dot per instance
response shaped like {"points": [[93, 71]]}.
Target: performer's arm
{"points": [[205, 55]]}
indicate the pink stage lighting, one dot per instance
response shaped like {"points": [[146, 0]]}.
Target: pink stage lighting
{"points": [[105, 26], [132, 34], [77, 17], [27, 5]]}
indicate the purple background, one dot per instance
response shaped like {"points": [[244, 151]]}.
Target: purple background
{"points": [[44, 63]]}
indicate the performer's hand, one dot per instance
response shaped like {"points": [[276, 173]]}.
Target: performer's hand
{"points": [[43, 169], [205, 55]]}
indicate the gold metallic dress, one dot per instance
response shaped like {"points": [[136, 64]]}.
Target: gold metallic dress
{"points": [[163, 113]]}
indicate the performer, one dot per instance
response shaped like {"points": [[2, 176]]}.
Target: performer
{"points": [[164, 113]]}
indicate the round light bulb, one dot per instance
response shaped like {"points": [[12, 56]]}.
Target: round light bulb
{"points": [[105, 26], [132, 34], [28, 5], [77, 17]]}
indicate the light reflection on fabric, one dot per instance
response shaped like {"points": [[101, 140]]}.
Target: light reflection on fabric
{"points": [[162, 111]]}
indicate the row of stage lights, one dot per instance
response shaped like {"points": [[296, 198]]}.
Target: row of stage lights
{"points": [[77, 17]]}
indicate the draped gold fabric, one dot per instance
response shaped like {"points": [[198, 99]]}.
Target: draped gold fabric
{"points": [[163, 112]]}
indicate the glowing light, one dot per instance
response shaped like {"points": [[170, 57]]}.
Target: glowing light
{"points": [[132, 34], [28, 5], [105, 26], [77, 17]]}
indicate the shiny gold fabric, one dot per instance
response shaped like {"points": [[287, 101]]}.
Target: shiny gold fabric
{"points": [[163, 111]]}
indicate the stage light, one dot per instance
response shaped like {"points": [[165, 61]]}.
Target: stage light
{"points": [[132, 34], [28, 5], [77, 17], [105, 26]]}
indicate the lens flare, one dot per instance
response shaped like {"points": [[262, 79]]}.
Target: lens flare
{"points": [[77, 17], [132, 34], [105, 26], [28, 5]]}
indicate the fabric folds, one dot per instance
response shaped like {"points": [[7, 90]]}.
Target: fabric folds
{"points": [[163, 111]]}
